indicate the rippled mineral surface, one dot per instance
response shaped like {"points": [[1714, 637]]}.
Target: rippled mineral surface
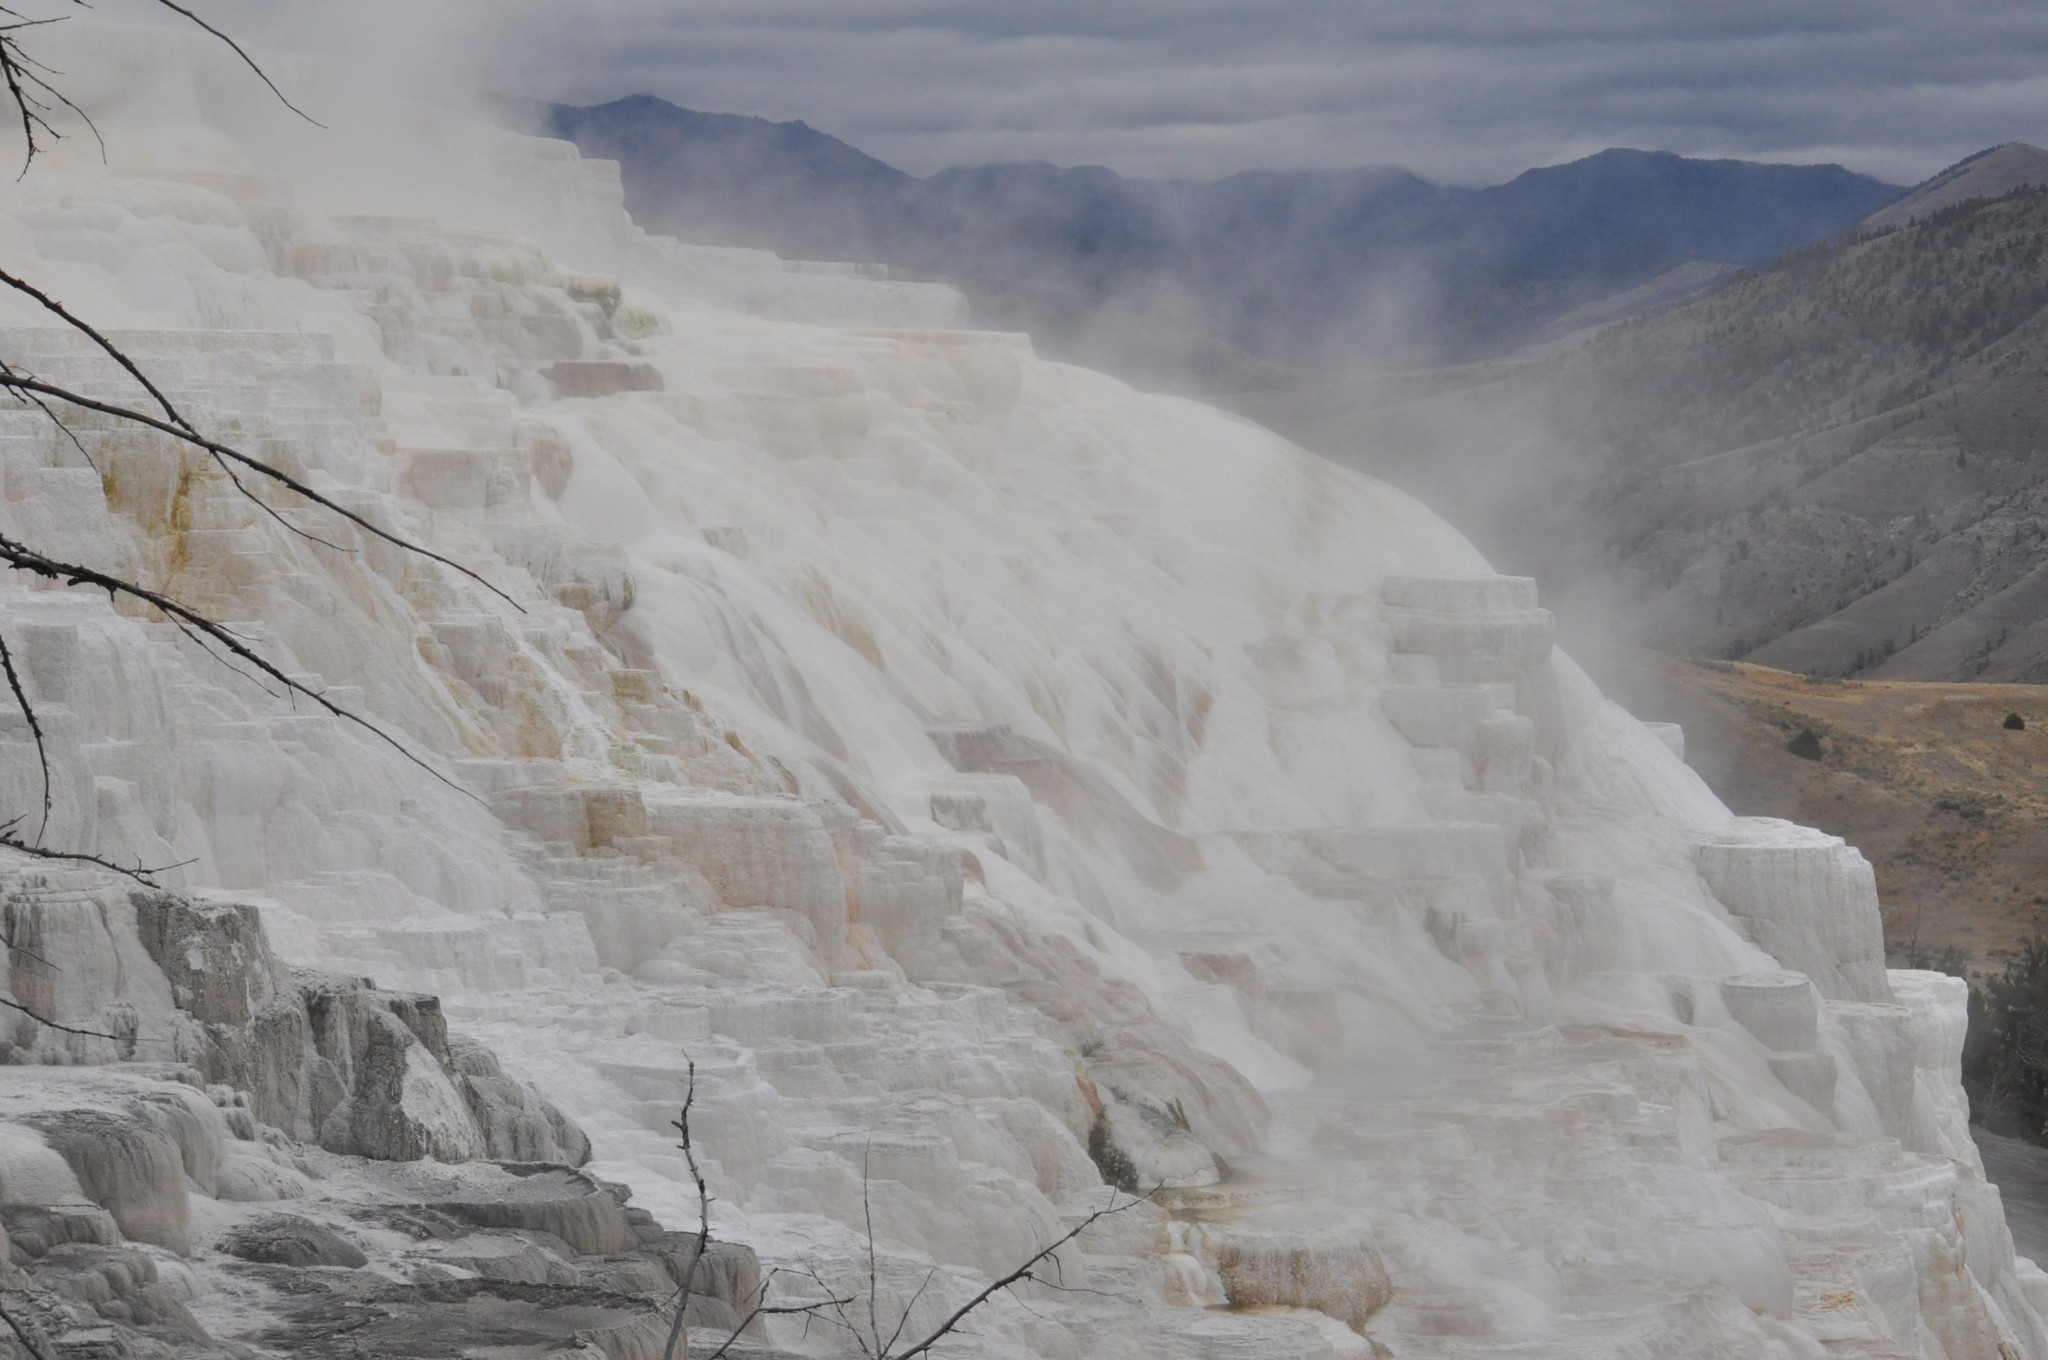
{"points": [[1001, 783]]}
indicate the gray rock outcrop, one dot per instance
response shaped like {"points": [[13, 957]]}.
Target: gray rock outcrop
{"points": [[388, 1187], [330, 1060]]}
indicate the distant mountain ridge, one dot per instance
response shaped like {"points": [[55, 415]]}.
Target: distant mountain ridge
{"points": [[1271, 266]]}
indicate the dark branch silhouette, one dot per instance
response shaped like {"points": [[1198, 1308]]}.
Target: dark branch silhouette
{"points": [[15, 381], [146, 877], [107, 347], [1024, 1272], [63, 428], [8, 1002], [35, 730], [247, 60], [34, 97], [22, 558], [21, 1334], [42, 1019], [681, 1124]]}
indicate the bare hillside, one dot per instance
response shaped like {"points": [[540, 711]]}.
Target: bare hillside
{"points": [[1838, 466], [1989, 174], [1924, 778]]}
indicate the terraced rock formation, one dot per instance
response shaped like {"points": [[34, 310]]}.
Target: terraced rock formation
{"points": [[217, 1156], [999, 783]]}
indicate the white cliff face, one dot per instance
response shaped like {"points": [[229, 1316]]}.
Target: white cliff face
{"points": [[992, 777]]}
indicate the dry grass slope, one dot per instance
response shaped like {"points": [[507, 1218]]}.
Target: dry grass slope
{"points": [[1950, 805]]}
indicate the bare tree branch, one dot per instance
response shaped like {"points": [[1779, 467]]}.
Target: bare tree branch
{"points": [[35, 730], [108, 347], [1019, 1275], [832, 1307], [21, 1334], [7, 370], [678, 1331], [904, 1320], [120, 356], [15, 947], [267, 509], [25, 559], [146, 877], [762, 1308], [35, 98], [9, 57], [867, 1212], [21, 383], [247, 60], [20, 73], [226, 664], [46, 1020], [38, 1016], [36, 102]]}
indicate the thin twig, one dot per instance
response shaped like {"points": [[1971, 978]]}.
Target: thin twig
{"points": [[904, 1320], [38, 1016], [21, 1334], [1017, 1276], [134, 370], [23, 558], [46, 1020], [35, 729], [21, 72], [26, 85], [94, 128], [681, 1124], [108, 347], [54, 419], [267, 509], [205, 650], [26, 104], [874, 1281], [247, 60], [16, 947], [146, 877], [19, 383], [762, 1308]]}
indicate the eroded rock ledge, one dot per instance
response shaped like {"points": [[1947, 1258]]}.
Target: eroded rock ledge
{"points": [[211, 1129]]}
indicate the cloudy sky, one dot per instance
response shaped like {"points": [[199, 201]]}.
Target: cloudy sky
{"points": [[1465, 91]]}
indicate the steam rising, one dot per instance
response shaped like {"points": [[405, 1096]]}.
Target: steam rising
{"points": [[997, 778]]}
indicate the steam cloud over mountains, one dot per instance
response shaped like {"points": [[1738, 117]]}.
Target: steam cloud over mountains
{"points": [[1729, 478], [979, 784], [1274, 267]]}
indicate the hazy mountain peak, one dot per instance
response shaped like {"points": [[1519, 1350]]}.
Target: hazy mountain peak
{"points": [[640, 126]]}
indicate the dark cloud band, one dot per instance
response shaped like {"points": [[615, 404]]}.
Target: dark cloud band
{"points": [[1461, 90]]}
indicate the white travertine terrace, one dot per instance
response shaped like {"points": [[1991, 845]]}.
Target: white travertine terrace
{"points": [[992, 776]]}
